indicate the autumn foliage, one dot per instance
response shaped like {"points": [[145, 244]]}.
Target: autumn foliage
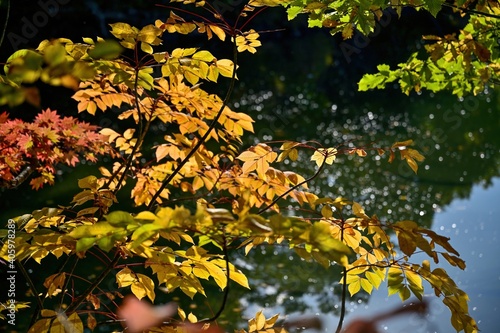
{"points": [[41, 145], [233, 196]]}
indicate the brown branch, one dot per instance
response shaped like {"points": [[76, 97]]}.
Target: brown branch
{"points": [[76, 303], [344, 284], [167, 181], [294, 187], [226, 291]]}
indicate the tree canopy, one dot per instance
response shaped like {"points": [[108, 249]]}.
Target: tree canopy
{"points": [[197, 196]]}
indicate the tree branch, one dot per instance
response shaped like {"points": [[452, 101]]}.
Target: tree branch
{"points": [[167, 181], [76, 303]]}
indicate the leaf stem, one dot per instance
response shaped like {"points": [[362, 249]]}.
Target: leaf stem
{"points": [[39, 302], [226, 291], [76, 303], [167, 181], [294, 187], [344, 283], [4, 30]]}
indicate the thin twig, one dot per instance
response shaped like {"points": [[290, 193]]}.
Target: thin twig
{"points": [[294, 187], [344, 283], [226, 291], [4, 30], [31, 284], [167, 181], [470, 11], [76, 303]]}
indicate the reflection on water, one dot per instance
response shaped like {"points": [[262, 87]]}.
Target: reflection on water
{"points": [[472, 224], [460, 141], [458, 137]]}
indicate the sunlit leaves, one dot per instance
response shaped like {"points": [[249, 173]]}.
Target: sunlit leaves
{"points": [[261, 324], [54, 284], [210, 30], [257, 158], [57, 322], [172, 243], [453, 297], [322, 155], [320, 236], [248, 42], [109, 49], [176, 24], [462, 64], [195, 65], [140, 284]]}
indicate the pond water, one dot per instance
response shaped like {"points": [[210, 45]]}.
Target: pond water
{"points": [[455, 193], [473, 226]]}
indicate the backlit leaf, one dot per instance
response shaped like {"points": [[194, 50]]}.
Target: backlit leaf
{"points": [[109, 49]]}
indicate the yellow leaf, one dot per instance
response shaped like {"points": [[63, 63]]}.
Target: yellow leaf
{"points": [[326, 211], [41, 326], [271, 321], [204, 56], [123, 30], [64, 324], [192, 318], [355, 286], [260, 320], [374, 279], [358, 210], [225, 67], [361, 152], [217, 273], [322, 155], [366, 285], [402, 144], [239, 278], [218, 31], [125, 278], [144, 286]]}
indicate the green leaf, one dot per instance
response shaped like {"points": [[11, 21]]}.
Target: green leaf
{"points": [[98, 229], [404, 293], [89, 182], [85, 243], [119, 218], [204, 56], [109, 49], [434, 6], [55, 54], [143, 233], [320, 236]]}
